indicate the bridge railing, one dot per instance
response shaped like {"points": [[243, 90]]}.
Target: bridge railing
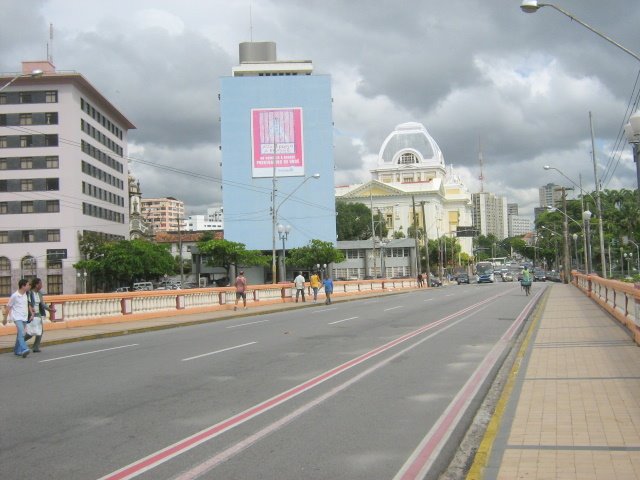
{"points": [[620, 299], [87, 309]]}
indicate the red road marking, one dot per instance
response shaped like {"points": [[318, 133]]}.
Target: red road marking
{"points": [[147, 463], [422, 457]]}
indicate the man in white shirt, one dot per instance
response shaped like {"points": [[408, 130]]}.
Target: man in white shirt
{"points": [[18, 308], [299, 284]]}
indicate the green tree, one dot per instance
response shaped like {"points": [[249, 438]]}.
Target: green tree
{"points": [[126, 261], [224, 253], [398, 234], [315, 252], [353, 221]]}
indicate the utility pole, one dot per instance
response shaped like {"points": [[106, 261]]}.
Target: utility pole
{"points": [[180, 252], [415, 235], [426, 244], [565, 234], [603, 258]]}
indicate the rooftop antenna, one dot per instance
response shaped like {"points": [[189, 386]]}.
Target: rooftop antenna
{"points": [[481, 160], [50, 44], [250, 22]]}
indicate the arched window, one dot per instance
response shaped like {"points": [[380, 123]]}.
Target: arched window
{"points": [[5, 263], [407, 159], [29, 267]]}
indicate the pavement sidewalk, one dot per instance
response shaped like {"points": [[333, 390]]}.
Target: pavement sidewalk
{"points": [[573, 408]]}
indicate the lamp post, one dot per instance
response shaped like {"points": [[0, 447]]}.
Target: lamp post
{"points": [[626, 240], [586, 217], [532, 6], [283, 233], [632, 131], [34, 74], [575, 249], [274, 216], [82, 276], [322, 269], [629, 258]]}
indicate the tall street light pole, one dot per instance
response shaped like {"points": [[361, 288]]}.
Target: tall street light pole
{"points": [[632, 130], [603, 256], [34, 74], [586, 217], [283, 233]]}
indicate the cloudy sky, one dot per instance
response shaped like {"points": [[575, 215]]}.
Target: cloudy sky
{"points": [[472, 72]]}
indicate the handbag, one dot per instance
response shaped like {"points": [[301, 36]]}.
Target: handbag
{"points": [[34, 327]]}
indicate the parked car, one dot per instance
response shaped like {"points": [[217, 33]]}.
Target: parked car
{"points": [[121, 289], [143, 286], [435, 282], [553, 276], [462, 278]]}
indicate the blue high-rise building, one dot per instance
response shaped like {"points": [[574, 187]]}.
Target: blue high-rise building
{"points": [[276, 110]]}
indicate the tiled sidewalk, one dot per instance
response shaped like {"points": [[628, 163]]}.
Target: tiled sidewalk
{"points": [[575, 408]]}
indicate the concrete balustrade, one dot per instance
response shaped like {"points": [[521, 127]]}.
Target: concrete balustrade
{"points": [[92, 309], [620, 299]]}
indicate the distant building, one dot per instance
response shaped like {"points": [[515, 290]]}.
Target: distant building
{"points": [[490, 215], [512, 209], [411, 170], [163, 214], [519, 225], [63, 157], [550, 195], [537, 211], [213, 220], [276, 112], [392, 258]]}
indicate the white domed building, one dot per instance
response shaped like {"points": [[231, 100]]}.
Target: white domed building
{"points": [[410, 169]]}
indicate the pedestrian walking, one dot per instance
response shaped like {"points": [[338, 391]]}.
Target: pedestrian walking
{"points": [[315, 283], [327, 284], [241, 290], [36, 326], [420, 280], [299, 284], [17, 309]]}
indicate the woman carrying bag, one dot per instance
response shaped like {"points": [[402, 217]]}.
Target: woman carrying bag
{"points": [[36, 301]]}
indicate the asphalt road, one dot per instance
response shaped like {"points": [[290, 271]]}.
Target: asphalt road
{"points": [[375, 388]]}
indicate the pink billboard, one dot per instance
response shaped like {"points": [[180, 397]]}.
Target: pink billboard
{"points": [[276, 134]]}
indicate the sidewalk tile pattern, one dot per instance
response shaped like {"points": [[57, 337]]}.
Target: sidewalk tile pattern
{"points": [[578, 412]]}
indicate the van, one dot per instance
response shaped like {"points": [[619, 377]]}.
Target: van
{"points": [[143, 286]]}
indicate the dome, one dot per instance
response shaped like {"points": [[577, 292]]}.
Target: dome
{"points": [[410, 143]]}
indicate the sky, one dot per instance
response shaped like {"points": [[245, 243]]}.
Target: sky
{"points": [[477, 74]]}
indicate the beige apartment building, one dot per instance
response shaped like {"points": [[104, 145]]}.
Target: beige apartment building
{"points": [[164, 214], [63, 158]]}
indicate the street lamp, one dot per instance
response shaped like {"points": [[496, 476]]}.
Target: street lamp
{"points": [[34, 74], [532, 6], [629, 258], [575, 249], [632, 131], [626, 240], [82, 276], [283, 233], [274, 219], [586, 217]]}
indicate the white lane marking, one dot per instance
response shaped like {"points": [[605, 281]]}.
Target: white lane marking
{"points": [[88, 353], [344, 320], [428, 300], [208, 465], [325, 310], [449, 295], [218, 351], [392, 308], [244, 324]]}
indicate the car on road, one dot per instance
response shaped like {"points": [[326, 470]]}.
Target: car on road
{"points": [[121, 289], [539, 275], [462, 278], [435, 282]]}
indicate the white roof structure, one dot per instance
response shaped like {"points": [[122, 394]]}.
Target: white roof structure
{"points": [[410, 144]]}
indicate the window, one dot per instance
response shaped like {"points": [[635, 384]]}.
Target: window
{"points": [[25, 97], [4, 207], [51, 140], [51, 118], [5, 264], [26, 185], [3, 99], [26, 207], [3, 119], [54, 264], [3, 142], [26, 163], [3, 163], [52, 184], [52, 162], [51, 96], [54, 284], [28, 236], [4, 237], [5, 286], [53, 235], [26, 141], [53, 206], [3, 185], [26, 119], [407, 159]]}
